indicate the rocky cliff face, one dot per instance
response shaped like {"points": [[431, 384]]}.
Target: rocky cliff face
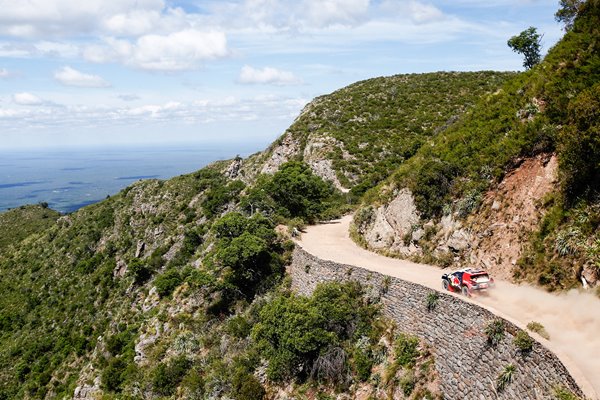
{"points": [[493, 237], [510, 213], [392, 227]]}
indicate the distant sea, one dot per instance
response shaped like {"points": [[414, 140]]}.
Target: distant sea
{"points": [[70, 179]]}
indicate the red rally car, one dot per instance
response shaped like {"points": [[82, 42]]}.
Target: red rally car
{"points": [[467, 281]]}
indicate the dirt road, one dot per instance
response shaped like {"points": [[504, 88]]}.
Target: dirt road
{"points": [[571, 319]]}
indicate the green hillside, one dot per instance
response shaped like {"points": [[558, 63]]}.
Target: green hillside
{"points": [[19, 223], [177, 289], [164, 289], [379, 123]]}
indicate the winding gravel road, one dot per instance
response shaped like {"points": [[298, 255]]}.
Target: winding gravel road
{"points": [[572, 319]]}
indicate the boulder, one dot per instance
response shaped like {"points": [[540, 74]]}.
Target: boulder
{"points": [[283, 152], [120, 269], [87, 391], [459, 240], [589, 272]]}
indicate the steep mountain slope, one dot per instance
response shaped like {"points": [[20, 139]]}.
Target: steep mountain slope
{"points": [[357, 135], [164, 291], [457, 201]]}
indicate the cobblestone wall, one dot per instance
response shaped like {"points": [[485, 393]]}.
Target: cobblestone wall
{"points": [[467, 365]]}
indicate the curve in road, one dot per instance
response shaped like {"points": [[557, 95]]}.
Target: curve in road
{"points": [[572, 319]]}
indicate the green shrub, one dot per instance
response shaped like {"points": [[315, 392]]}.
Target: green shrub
{"points": [[505, 377], [166, 377], [406, 350], [219, 195], [293, 332], [139, 271], [523, 342], [155, 261], [194, 384], [295, 191], [245, 386], [494, 331], [363, 363], [408, 382], [238, 326], [539, 329], [431, 188], [579, 147], [166, 282], [114, 375], [562, 393], [115, 344], [431, 300]]}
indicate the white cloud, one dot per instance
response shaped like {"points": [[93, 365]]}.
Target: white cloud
{"points": [[331, 12], [226, 109], [271, 16], [23, 49], [417, 12], [267, 75], [10, 113], [177, 51], [423, 13], [71, 77], [4, 73], [43, 18], [27, 99]]}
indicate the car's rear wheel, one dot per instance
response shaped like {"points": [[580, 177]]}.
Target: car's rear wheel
{"points": [[465, 291], [445, 284]]}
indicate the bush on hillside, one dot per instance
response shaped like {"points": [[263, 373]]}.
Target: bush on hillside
{"points": [[295, 333], [293, 191], [166, 282]]}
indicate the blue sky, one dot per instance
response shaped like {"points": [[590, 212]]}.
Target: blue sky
{"points": [[111, 72]]}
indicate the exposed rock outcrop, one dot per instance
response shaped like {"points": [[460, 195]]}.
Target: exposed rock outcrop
{"points": [[491, 238], [281, 153], [88, 391], [315, 155], [392, 225]]}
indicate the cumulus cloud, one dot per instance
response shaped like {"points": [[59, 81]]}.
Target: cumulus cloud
{"points": [[27, 99], [267, 76], [177, 51], [71, 77], [43, 18]]}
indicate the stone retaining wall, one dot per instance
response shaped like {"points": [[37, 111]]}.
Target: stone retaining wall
{"points": [[467, 366]]}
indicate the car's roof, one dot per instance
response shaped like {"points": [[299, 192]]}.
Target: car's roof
{"points": [[471, 271]]}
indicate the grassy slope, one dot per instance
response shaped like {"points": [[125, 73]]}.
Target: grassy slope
{"points": [[19, 223], [383, 121], [58, 289], [68, 314]]}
